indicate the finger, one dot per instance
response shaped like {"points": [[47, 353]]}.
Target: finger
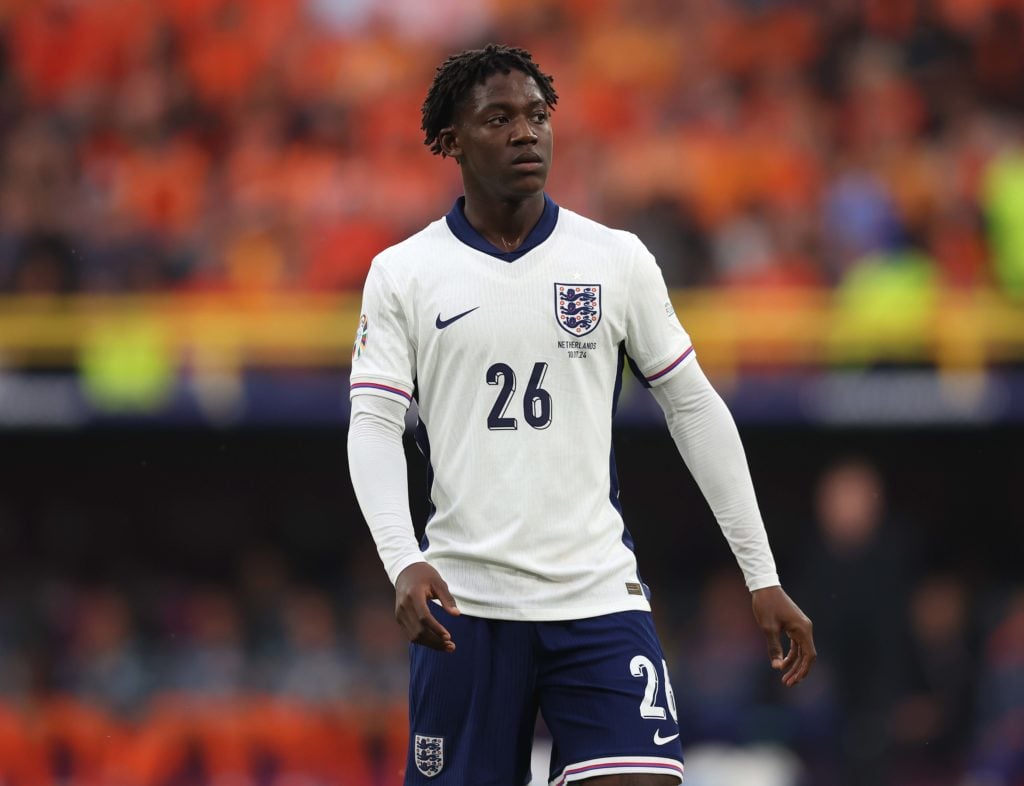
{"points": [[790, 677], [806, 656], [431, 626], [800, 669], [428, 638], [791, 656], [774, 647], [441, 592], [421, 627]]}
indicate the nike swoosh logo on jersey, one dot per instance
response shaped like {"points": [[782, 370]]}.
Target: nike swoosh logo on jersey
{"points": [[659, 740], [443, 323]]}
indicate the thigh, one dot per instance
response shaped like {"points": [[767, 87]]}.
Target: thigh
{"points": [[606, 698], [472, 711]]}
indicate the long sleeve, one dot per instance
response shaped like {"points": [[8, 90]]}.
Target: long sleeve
{"points": [[377, 467], [705, 434]]}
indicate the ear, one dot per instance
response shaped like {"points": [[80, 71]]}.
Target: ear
{"points": [[449, 141]]}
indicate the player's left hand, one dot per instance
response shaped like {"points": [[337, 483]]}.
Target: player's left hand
{"points": [[414, 588], [775, 612]]}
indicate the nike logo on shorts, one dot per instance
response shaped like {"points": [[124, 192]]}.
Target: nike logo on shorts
{"points": [[659, 740], [443, 323]]}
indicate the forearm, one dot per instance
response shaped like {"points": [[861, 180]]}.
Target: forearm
{"points": [[377, 467], [707, 439]]}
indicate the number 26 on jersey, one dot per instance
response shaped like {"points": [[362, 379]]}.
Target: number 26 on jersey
{"points": [[536, 400]]}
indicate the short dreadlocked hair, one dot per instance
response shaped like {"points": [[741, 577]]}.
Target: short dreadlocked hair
{"points": [[460, 73]]}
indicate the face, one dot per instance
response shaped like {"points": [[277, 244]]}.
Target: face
{"points": [[501, 137]]}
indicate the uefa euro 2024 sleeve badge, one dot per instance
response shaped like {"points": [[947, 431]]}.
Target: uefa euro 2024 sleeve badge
{"points": [[360, 343], [429, 754], [578, 307]]}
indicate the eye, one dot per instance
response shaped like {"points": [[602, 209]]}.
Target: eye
{"points": [[540, 117], [497, 120]]}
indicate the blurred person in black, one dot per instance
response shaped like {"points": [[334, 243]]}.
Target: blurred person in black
{"points": [[932, 719], [997, 755], [853, 575]]}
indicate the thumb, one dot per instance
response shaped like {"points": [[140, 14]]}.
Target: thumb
{"points": [[447, 601], [774, 647]]}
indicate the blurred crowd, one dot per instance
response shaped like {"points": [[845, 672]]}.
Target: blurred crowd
{"points": [[177, 145], [920, 680]]}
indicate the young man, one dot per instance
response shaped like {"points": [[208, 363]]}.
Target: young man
{"points": [[509, 321]]}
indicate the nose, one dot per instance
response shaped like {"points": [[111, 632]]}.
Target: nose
{"points": [[522, 132]]}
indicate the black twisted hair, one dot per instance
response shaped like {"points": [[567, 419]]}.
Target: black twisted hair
{"points": [[457, 75]]}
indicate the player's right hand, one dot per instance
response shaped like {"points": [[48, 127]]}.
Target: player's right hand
{"points": [[414, 588]]}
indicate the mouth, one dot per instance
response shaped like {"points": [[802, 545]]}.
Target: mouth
{"points": [[528, 161]]}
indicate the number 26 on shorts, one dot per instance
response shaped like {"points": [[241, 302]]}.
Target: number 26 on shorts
{"points": [[642, 666]]}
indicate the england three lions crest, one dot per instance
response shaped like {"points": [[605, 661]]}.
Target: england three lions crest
{"points": [[578, 307], [429, 754]]}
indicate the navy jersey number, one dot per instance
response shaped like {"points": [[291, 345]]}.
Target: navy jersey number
{"points": [[536, 401]]}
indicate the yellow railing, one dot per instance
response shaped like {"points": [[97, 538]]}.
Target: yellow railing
{"points": [[954, 329]]}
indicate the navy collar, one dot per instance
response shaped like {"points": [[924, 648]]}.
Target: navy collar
{"points": [[464, 231]]}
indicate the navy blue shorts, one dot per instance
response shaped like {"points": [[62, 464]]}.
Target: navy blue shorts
{"points": [[600, 683]]}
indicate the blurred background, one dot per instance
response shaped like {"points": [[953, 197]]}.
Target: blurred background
{"points": [[191, 192]]}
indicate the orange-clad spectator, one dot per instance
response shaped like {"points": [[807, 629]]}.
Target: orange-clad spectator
{"points": [[401, 189], [339, 253], [312, 181], [370, 68], [386, 731], [184, 739], [310, 63], [226, 44], [785, 37], [970, 15], [256, 258], [956, 243], [631, 54], [163, 187], [81, 741], [999, 57], [716, 173], [776, 171], [882, 106], [254, 170], [65, 51], [918, 181], [309, 743], [22, 759], [890, 18]]}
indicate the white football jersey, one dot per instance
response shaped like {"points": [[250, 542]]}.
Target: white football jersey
{"points": [[515, 361]]}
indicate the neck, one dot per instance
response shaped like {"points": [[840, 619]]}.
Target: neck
{"points": [[504, 224]]}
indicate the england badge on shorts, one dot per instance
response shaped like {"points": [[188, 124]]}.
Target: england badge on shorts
{"points": [[578, 307], [429, 755]]}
